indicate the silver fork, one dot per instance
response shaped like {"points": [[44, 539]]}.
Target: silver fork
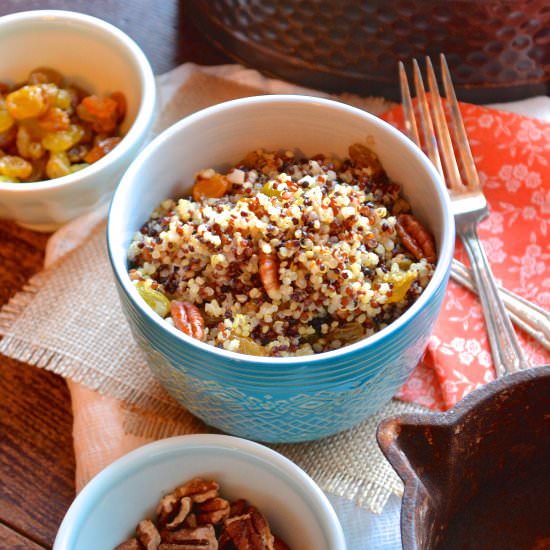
{"points": [[468, 202]]}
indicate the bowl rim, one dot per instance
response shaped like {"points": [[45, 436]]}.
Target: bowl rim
{"points": [[145, 111], [441, 272], [179, 445]]}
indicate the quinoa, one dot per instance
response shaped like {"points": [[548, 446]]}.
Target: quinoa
{"points": [[282, 255]]}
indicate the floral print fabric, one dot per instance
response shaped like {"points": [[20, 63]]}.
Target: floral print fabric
{"points": [[512, 155]]}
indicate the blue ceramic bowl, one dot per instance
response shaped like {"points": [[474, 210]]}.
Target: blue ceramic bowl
{"points": [[263, 398]]}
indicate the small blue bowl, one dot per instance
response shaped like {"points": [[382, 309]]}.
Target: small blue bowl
{"points": [[264, 398]]}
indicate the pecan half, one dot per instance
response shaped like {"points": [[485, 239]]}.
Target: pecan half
{"points": [[269, 274], [148, 534], [249, 531], [167, 508], [198, 489], [212, 511], [183, 512], [200, 538], [261, 527], [416, 238], [188, 318], [238, 507]]}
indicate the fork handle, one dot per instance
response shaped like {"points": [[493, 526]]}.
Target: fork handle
{"points": [[507, 354]]}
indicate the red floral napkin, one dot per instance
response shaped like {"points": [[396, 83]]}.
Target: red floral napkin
{"points": [[512, 155]]}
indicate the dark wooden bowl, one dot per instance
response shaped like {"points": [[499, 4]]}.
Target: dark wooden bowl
{"points": [[497, 50], [478, 476]]}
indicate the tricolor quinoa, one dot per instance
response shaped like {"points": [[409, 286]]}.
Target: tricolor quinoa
{"points": [[284, 255]]}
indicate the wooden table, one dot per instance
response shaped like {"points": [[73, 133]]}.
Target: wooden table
{"points": [[36, 447]]}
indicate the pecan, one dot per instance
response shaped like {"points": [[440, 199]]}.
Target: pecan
{"points": [[130, 544], [167, 508], [261, 527], [191, 520], [415, 237], [249, 531], [188, 318], [269, 274], [148, 535], [184, 509], [198, 489], [200, 538], [238, 507], [212, 511]]}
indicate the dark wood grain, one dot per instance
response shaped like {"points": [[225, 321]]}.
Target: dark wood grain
{"points": [[36, 456], [36, 450], [12, 540]]}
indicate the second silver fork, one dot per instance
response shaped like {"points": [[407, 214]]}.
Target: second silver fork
{"points": [[468, 202]]}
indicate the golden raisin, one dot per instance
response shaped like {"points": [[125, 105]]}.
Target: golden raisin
{"points": [[77, 94], [38, 170], [8, 137], [211, 188], [401, 283], [79, 166], [51, 92], [101, 112], [101, 149], [249, 346], [156, 300], [27, 102], [78, 152], [120, 99], [15, 167], [6, 121], [63, 140], [23, 142], [58, 165], [45, 75], [363, 157], [54, 120], [348, 333], [62, 100]]}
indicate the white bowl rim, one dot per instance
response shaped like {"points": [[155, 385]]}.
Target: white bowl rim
{"points": [[136, 459], [445, 253], [144, 113]]}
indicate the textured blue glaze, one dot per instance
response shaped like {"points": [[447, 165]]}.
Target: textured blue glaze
{"points": [[258, 402]]}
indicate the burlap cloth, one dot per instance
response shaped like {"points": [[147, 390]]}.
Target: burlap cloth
{"points": [[68, 320]]}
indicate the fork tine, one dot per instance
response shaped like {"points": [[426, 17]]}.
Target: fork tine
{"points": [[445, 142], [426, 119], [466, 157], [408, 111]]}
